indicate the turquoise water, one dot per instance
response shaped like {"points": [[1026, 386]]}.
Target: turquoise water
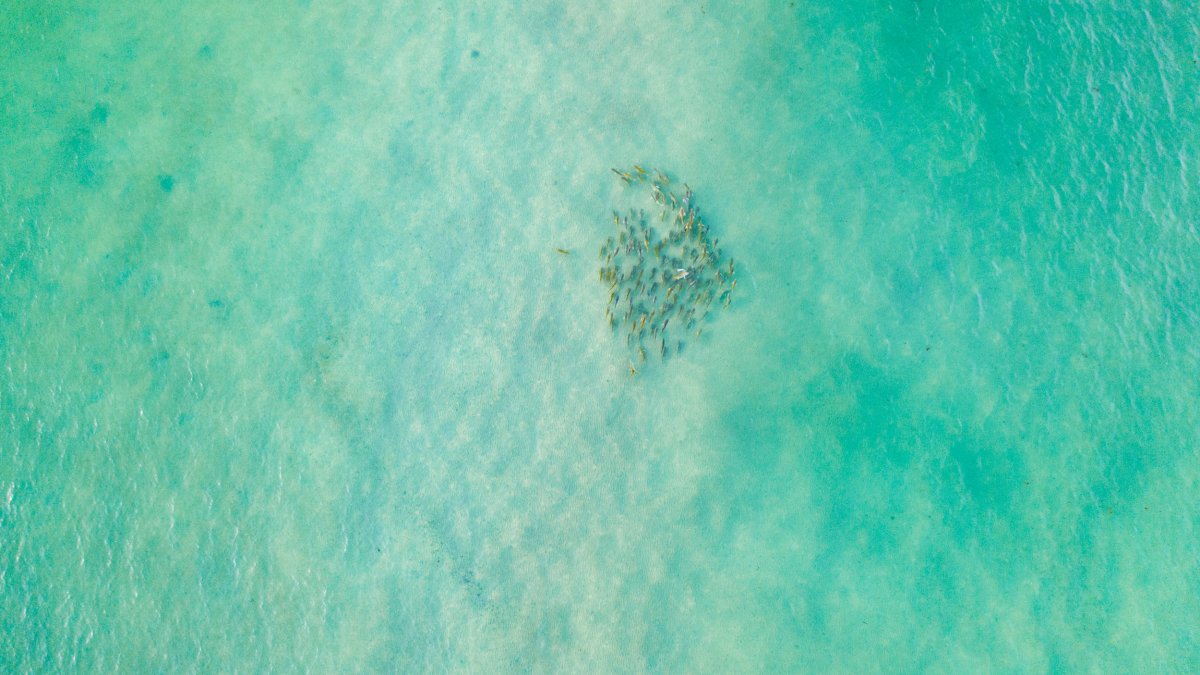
{"points": [[294, 379]]}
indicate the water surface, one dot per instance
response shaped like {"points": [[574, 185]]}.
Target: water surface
{"points": [[295, 380]]}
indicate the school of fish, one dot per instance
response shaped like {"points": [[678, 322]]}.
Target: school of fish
{"points": [[664, 274]]}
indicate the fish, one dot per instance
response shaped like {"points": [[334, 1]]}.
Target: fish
{"points": [[563, 251]]}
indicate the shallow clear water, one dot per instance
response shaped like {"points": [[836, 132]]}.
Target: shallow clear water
{"points": [[295, 380]]}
